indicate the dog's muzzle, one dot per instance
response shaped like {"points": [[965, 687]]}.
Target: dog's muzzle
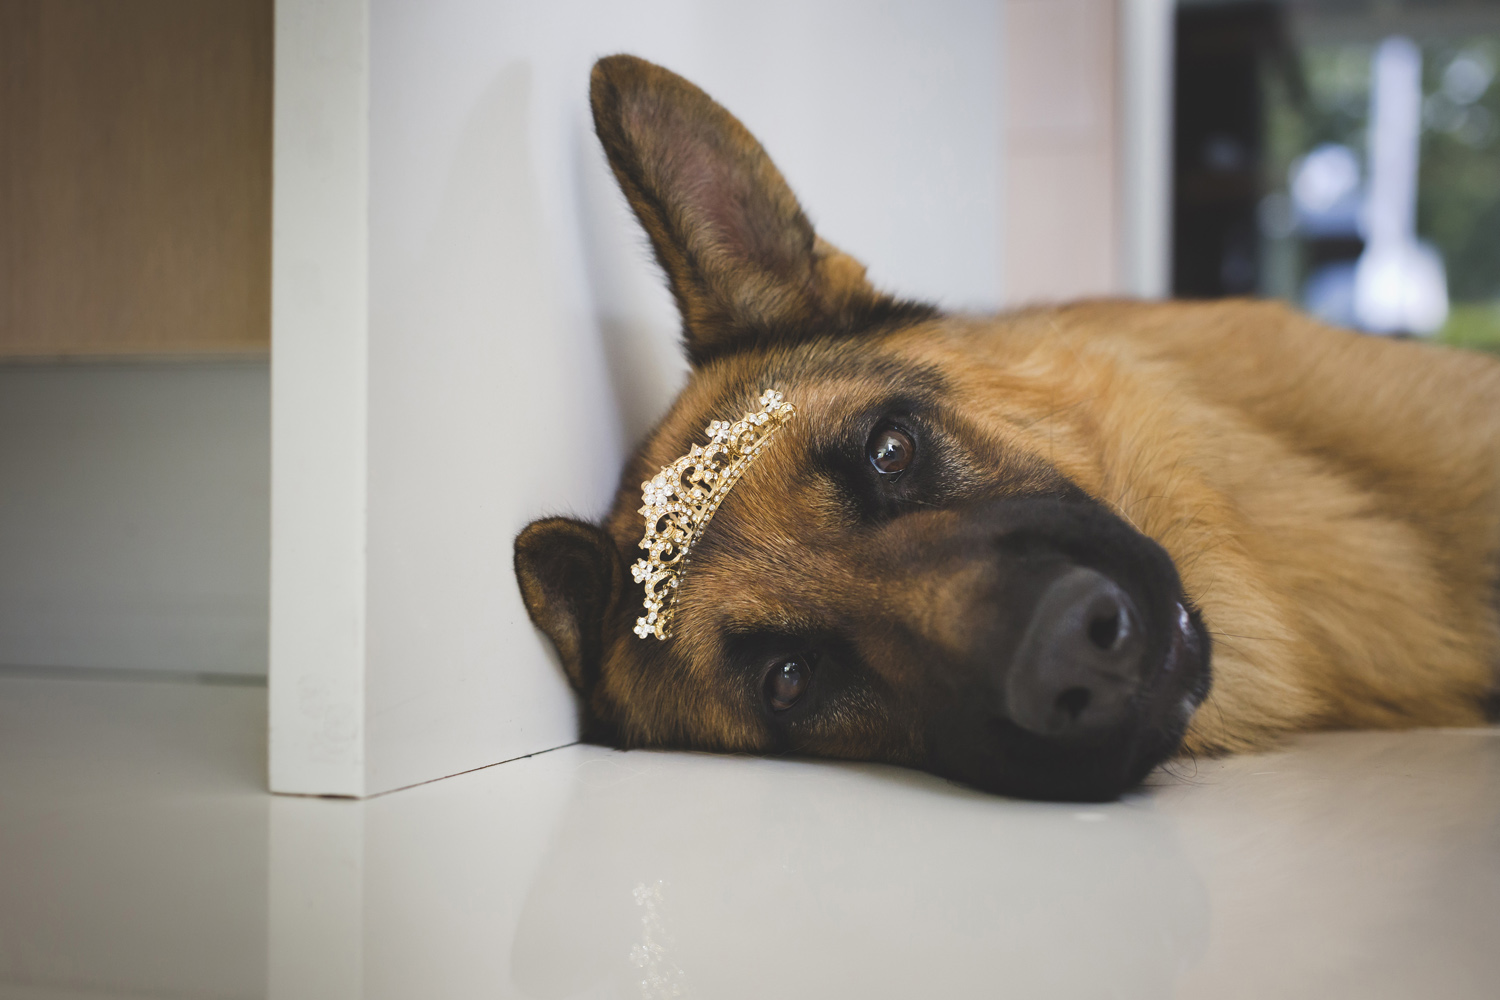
{"points": [[1078, 659]]}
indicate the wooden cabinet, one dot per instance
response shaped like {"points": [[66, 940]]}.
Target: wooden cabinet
{"points": [[135, 177]]}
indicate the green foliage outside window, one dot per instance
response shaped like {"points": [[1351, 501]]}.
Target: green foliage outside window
{"points": [[1326, 99]]}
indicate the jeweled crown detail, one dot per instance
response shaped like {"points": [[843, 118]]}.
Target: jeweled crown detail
{"points": [[682, 498]]}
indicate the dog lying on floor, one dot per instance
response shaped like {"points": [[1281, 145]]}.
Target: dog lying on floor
{"points": [[1005, 549]]}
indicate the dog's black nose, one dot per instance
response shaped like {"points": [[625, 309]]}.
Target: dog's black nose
{"points": [[1079, 660]]}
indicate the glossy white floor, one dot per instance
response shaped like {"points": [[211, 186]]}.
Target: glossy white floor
{"points": [[139, 857]]}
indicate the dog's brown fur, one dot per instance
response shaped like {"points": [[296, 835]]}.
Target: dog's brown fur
{"points": [[1331, 501]]}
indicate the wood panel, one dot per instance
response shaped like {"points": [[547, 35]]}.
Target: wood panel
{"points": [[135, 177]]}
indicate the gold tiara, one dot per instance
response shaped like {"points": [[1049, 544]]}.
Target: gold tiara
{"points": [[682, 498]]}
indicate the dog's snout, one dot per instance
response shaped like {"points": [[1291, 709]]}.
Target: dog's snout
{"points": [[1079, 660], [1052, 642]]}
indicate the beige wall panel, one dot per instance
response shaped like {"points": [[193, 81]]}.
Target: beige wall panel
{"points": [[1060, 220], [1061, 170], [135, 176]]}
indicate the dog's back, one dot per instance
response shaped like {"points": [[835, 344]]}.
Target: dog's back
{"points": [[1332, 501]]}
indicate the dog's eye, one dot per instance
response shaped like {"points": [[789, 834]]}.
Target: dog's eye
{"points": [[787, 683], [891, 451]]}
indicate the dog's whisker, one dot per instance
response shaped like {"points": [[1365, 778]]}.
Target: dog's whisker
{"points": [[1263, 638]]}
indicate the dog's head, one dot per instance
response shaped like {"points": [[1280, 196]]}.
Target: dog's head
{"points": [[917, 568]]}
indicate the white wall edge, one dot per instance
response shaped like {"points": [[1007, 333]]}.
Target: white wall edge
{"points": [[1003, 280], [319, 362], [1146, 56]]}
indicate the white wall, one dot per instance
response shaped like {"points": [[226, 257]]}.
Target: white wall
{"points": [[518, 340], [134, 515], [1146, 52], [319, 390], [883, 116]]}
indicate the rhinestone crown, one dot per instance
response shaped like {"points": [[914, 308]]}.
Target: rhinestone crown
{"points": [[683, 497]]}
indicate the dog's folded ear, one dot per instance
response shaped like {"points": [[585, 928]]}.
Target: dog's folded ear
{"points": [[570, 575], [743, 261]]}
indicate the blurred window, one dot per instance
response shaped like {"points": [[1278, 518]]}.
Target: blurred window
{"points": [[1344, 155]]}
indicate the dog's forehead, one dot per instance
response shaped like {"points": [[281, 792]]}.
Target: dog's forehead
{"points": [[765, 537], [776, 542], [788, 550], [827, 386]]}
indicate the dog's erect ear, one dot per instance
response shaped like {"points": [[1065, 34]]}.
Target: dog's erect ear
{"points": [[743, 261], [570, 575]]}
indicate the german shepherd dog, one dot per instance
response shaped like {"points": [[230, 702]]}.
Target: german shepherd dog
{"points": [[1006, 549]]}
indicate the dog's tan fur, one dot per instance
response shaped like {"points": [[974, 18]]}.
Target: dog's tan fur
{"points": [[1331, 501]]}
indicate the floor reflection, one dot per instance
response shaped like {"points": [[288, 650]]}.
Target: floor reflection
{"points": [[589, 873], [696, 876], [140, 857]]}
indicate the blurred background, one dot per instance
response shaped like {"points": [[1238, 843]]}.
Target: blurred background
{"points": [[1343, 155]]}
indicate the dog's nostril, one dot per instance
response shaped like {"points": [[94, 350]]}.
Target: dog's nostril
{"points": [[1073, 701], [1106, 629], [1080, 660]]}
